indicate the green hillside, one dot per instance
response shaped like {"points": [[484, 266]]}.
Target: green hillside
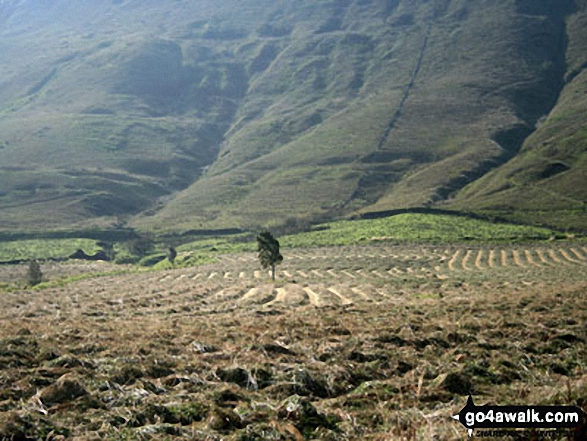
{"points": [[545, 182], [176, 115]]}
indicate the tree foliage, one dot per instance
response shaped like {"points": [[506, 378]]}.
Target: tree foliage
{"points": [[171, 254], [268, 248], [34, 274]]}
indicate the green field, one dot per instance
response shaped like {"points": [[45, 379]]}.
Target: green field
{"points": [[42, 249], [403, 228]]}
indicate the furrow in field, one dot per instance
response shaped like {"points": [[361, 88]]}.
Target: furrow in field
{"points": [[530, 259], [221, 296], [578, 254], [280, 296], [466, 260], [360, 293], [452, 261], [554, 257], [542, 258], [343, 300], [517, 259], [504, 258], [251, 293], [346, 273], [259, 295], [568, 257], [291, 295], [313, 297], [478, 260], [378, 274]]}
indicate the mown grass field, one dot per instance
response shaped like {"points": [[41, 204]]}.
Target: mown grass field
{"points": [[369, 340]]}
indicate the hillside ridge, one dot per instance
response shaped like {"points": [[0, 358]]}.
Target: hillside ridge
{"points": [[170, 117]]}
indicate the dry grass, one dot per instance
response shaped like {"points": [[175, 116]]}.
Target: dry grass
{"points": [[219, 353]]}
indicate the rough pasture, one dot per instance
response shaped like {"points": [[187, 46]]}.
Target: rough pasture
{"points": [[373, 342]]}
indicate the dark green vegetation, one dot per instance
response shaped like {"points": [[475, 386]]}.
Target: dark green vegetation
{"points": [[194, 114], [268, 248]]}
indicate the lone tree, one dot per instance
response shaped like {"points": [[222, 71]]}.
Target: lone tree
{"points": [[268, 248], [34, 274], [171, 255]]}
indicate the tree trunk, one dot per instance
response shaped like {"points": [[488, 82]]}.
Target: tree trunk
{"points": [[273, 272]]}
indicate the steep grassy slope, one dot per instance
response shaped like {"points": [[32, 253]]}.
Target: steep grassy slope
{"points": [[173, 115], [450, 90], [114, 105], [546, 181]]}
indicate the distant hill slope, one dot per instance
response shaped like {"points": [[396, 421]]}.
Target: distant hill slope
{"points": [[176, 114], [547, 180]]}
